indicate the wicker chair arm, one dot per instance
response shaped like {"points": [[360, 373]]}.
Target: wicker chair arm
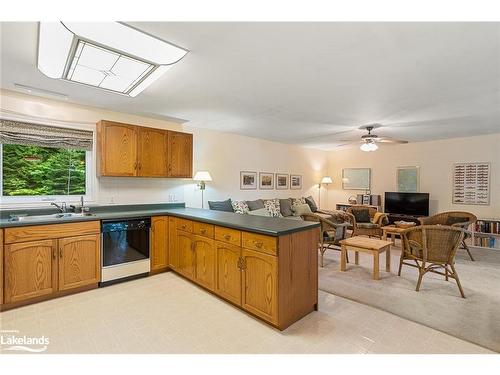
{"points": [[352, 219]]}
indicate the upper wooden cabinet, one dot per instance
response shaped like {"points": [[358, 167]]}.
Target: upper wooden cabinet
{"points": [[180, 154], [125, 150], [116, 149]]}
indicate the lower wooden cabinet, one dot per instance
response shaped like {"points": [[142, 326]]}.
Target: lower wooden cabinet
{"points": [[228, 272], [30, 270], [159, 243], [204, 261], [260, 284], [79, 264], [41, 269], [173, 253], [185, 252]]}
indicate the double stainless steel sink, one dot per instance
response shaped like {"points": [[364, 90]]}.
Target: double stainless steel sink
{"points": [[66, 215]]}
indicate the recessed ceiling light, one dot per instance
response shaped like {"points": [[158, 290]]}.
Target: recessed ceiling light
{"points": [[108, 55]]}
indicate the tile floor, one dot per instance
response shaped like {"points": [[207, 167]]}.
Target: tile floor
{"points": [[166, 314]]}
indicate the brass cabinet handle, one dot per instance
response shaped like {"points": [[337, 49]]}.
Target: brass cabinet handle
{"points": [[140, 165], [243, 264], [258, 244], [53, 253], [227, 236], [203, 231], [60, 253], [135, 165]]}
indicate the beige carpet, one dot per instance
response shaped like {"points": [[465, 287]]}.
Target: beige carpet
{"points": [[438, 304]]}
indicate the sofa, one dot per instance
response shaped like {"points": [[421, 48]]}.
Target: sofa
{"points": [[288, 208]]}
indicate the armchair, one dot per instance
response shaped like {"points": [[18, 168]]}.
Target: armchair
{"points": [[366, 221], [458, 219], [330, 233]]}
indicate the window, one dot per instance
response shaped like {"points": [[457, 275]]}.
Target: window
{"points": [[44, 163], [35, 171]]}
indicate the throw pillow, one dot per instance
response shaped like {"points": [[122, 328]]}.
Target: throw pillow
{"points": [[221, 205], [296, 201], [300, 209], [260, 212], [286, 207], [240, 207], [312, 204], [255, 205], [361, 215], [273, 206]]}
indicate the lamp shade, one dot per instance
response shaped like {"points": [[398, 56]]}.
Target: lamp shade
{"points": [[326, 180], [202, 176]]}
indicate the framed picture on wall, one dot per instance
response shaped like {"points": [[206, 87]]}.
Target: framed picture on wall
{"points": [[356, 178], [295, 181], [266, 181], [248, 180], [408, 179], [281, 181]]}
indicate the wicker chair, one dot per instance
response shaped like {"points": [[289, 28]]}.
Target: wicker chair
{"points": [[372, 228], [432, 247], [458, 219], [330, 234]]}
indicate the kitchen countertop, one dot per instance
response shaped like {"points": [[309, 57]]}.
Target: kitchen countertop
{"points": [[257, 224]]}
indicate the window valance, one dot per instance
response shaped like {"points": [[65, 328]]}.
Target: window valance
{"points": [[24, 133]]}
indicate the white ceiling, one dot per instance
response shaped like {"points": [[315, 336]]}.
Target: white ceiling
{"points": [[304, 82]]}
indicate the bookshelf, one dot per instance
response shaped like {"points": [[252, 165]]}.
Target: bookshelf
{"points": [[486, 234]]}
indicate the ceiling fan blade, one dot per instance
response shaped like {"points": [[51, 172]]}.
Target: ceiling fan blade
{"points": [[389, 140]]}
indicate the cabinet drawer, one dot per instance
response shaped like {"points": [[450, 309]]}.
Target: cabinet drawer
{"points": [[49, 231], [259, 242], [185, 225], [203, 229], [227, 235]]}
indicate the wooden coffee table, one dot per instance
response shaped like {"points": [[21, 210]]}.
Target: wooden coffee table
{"points": [[366, 245]]}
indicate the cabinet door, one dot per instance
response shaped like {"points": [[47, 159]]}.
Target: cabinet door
{"points": [[152, 153], [159, 243], [180, 150], [30, 270], [186, 254], [228, 273], [204, 261], [173, 252], [260, 284], [79, 261], [117, 149]]}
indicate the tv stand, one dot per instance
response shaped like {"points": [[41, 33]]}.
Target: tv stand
{"points": [[400, 217]]}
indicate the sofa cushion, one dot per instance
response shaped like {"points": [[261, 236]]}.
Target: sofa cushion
{"points": [[286, 207], [221, 205], [260, 212], [255, 205], [312, 204], [300, 209], [362, 215], [367, 225], [240, 207], [296, 201], [273, 206]]}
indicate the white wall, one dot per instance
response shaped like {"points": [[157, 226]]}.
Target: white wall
{"points": [[435, 160], [224, 155]]}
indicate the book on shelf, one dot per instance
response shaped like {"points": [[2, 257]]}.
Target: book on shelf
{"points": [[486, 226], [487, 233]]}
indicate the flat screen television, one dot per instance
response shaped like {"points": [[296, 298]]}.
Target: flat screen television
{"points": [[412, 204]]}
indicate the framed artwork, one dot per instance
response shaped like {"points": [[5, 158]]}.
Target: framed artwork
{"points": [[281, 181], [266, 181], [295, 181], [408, 179], [471, 183], [248, 180], [356, 178]]}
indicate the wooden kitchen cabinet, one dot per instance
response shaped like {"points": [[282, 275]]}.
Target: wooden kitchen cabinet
{"points": [[152, 156], [260, 284], [159, 243], [79, 261], [186, 253], [180, 154], [228, 273], [125, 150], [30, 270], [204, 261], [116, 149], [173, 253]]}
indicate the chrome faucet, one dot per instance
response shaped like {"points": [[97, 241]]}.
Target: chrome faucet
{"points": [[63, 208]]}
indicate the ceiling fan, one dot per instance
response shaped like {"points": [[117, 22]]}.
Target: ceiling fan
{"points": [[369, 141]]}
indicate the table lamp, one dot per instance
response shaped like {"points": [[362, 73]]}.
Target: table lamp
{"points": [[202, 176]]}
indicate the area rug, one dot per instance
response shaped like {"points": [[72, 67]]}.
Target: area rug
{"points": [[438, 303]]}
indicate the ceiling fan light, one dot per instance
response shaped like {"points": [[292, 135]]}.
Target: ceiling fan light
{"points": [[365, 147]]}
